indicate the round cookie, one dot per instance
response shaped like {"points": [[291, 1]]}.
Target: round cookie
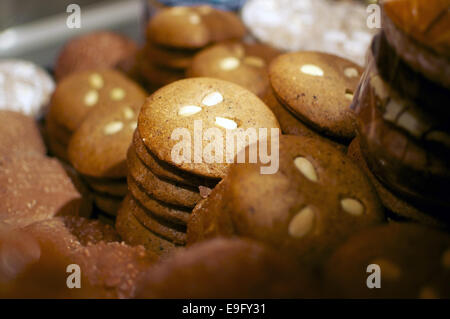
{"points": [[240, 63], [404, 146], [108, 204], [89, 231], [36, 188], [171, 193], [108, 187], [163, 210], [316, 199], [99, 146], [193, 27], [134, 233], [220, 105], [419, 33], [58, 150], [319, 88], [19, 134], [56, 132], [81, 92], [24, 87], [168, 57], [389, 200], [156, 76], [247, 270], [95, 50], [163, 170], [170, 231], [291, 125], [410, 258]]}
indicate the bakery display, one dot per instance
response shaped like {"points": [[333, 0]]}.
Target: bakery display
{"points": [[203, 163]]}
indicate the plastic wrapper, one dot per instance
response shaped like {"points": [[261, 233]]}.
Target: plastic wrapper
{"points": [[405, 142]]}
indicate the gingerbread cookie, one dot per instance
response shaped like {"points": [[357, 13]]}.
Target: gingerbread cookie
{"points": [[134, 233], [81, 92], [318, 88], [99, 146], [408, 259], [316, 199], [240, 63], [211, 103], [178, 215], [171, 193], [96, 50], [248, 270], [193, 27], [178, 59]]}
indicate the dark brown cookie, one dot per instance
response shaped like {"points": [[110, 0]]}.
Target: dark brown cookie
{"points": [[19, 134], [319, 88], [247, 270], [316, 199], [134, 233], [164, 191], [193, 27], [410, 259], [157, 76], [237, 62], [96, 50]]}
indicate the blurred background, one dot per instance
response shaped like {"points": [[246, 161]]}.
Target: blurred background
{"points": [[35, 30]]}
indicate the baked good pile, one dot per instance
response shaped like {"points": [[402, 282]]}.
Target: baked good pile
{"points": [[117, 179]]}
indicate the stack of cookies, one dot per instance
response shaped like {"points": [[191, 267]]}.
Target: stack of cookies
{"points": [[171, 166], [175, 34], [404, 137], [312, 93], [96, 113], [241, 63]]}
